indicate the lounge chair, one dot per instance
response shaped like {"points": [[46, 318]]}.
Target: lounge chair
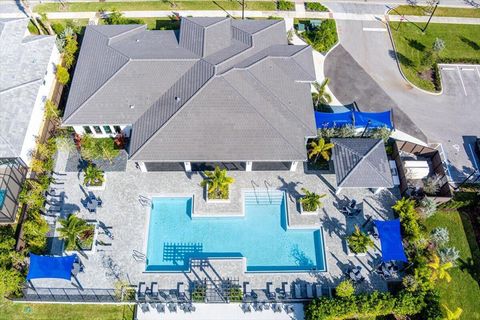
{"points": [[154, 291], [277, 307], [298, 291], [142, 289], [247, 291], [286, 290], [289, 308], [309, 291], [271, 295], [191, 308], [172, 307], [181, 291], [318, 290]]}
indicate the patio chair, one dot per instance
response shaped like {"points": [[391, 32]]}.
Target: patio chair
{"points": [[181, 290], [271, 295], [298, 291], [277, 307], [309, 291], [142, 289], [247, 291], [172, 307]]}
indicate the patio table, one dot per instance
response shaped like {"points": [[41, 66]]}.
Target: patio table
{"points": [[92, 205]]}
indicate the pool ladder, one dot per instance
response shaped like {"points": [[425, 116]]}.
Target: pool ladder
{"points": [[267, 184], [255, 190]]}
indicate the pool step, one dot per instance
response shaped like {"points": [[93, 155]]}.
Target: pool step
{"points": [[263, 198]]}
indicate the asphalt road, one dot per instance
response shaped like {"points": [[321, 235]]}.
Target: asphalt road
{"points": [[450, 119]]}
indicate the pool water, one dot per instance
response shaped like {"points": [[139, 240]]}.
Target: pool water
{"points": [[3, 193], [261, 236]]}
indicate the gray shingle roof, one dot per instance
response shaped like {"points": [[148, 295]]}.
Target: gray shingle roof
{"points": [[361, 163], [217, 69], [23, 63]]}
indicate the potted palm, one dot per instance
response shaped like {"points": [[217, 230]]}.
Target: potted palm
{"points": [[358, 242], [319, 153], [93, 178], [79, 234], [310, 202], [217, 185]]}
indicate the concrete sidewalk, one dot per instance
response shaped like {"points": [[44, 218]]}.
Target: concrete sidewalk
{"points": [[258, 14]]}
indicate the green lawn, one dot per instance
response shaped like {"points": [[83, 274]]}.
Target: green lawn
{"points": [[156, 5], [440, 12], [462, 44], [22, 311], [463, 291]]}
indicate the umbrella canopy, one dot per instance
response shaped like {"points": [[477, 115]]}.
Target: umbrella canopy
{"points": [[50, 267]]}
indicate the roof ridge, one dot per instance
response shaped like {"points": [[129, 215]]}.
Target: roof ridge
{"points": [[269, 26], [301, 51], [20, 85], [125, 32], [362, 158], [272, 126], [140, 148]]}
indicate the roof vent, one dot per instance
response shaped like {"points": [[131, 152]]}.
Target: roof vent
{"points": [[138, 40], [177, 99], [132, 106]]}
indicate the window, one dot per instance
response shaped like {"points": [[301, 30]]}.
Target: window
{"points": [[97, 129], [87, 130], [107, 129], [117, 129]]}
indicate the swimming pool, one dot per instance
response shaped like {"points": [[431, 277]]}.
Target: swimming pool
{"points": [[3, 193], [261, 236]]}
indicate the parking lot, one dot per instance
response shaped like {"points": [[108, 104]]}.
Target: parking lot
{"points": [[461, 89]]}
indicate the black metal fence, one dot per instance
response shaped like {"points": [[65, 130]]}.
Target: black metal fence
{"points": [[70, 295]]}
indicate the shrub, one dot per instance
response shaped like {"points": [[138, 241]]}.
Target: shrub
{"points": [[448, 254], [323, 37], [93, 176], [58, 28], [116, 17], [283, 5], [98, 148], [345, 289], [364, 305], [428, 207], [315, 6], [359, 242], [431, 185], [346, 131], [440, 236], [380, 133], [431, 309], [409, 219], [62, 74]]}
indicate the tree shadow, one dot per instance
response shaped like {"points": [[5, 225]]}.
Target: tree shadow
{"points": [[333, 225], [470, 267], [401, 58], [475, 46], [291, 187], [415, 44]]}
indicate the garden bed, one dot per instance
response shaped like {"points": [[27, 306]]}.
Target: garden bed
{"points": [[322, 38]]}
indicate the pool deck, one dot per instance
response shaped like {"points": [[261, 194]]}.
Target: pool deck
{"points": [[127, 215]]}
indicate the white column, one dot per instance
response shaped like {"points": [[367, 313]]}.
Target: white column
{"points": [[248, 166], [293, 166], [142, 166], [188, 166], [338, 190]]}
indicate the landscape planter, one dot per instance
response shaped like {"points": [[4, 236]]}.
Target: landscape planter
{"points": [[350, 253], [212, 201], [303, 212], [93, 248], [97, 188]]}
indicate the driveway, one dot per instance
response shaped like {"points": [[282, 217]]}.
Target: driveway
{"points": [[449, 120]]}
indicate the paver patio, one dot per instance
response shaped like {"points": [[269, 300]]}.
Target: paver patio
{"points": [[124, 211]]}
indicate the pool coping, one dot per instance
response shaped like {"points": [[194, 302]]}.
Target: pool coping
{"points": [[227, 258]]}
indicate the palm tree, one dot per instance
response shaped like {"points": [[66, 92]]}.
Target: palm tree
{"points": [[439, 270], [321, 96], [359, 241], [320, 147], [217, 182], [92, 175], [453, 315], [311, 200], [72, 229]]}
